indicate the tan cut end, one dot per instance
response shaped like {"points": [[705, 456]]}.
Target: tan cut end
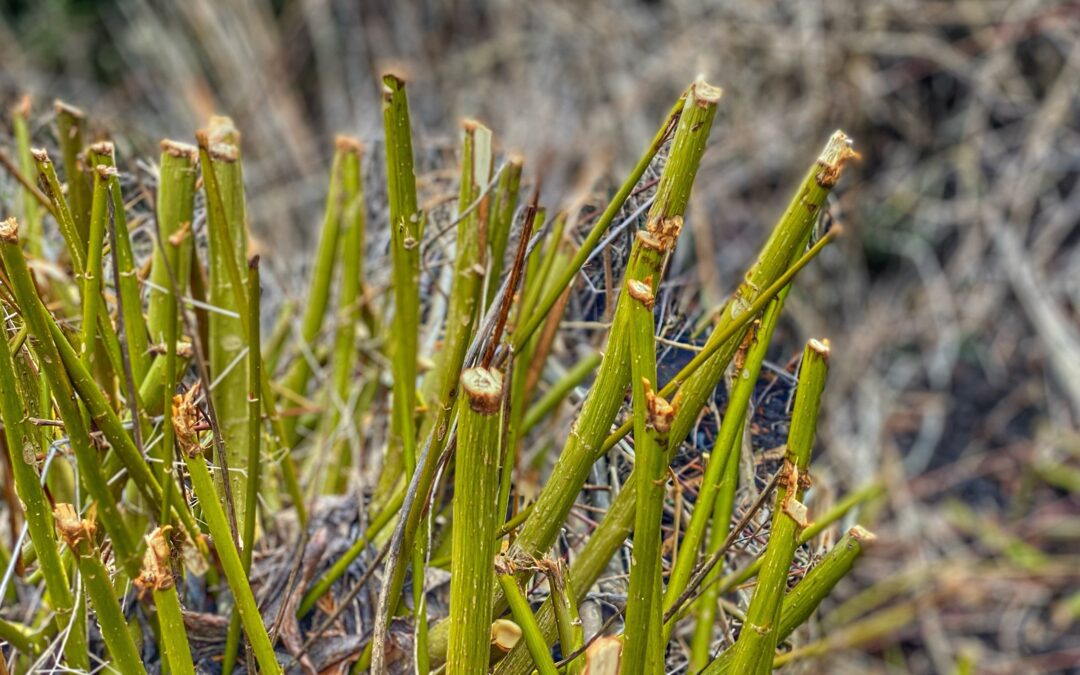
{"points": [[660, 413], [40, 155], [666, 230], [218, 150], [604, 656], [484, 388], [22, 107], [641, 291], [837, 153], [821, 347], [9, 230], [105, 148], [349, 144], [156, 574], [61, 108], [186, 418], [705, 94], [221, 131], [648, 240], [505, 635], [516, 160], [73, 529], [862, 534], [179, 150]]}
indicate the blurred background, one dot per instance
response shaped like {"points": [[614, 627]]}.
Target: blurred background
{"points": [[952, 303]]}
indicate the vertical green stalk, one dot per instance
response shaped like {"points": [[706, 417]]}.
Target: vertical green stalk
{"points": [[219, 148], [237, 579], [158, 578], [652, 419], [175, 213], [127, 282], [227, 229], [441, 382], [526, 620], [254, 460], [753, 652], [705, 606], [567, 619], [354, 225], [800, 602], [406, 232], [646, 262], [70, 126], [318, 296], [32, 213], [79, 535], [50, 184], [476, 485], [38, 323], [501, 220], [728, 443], [22, 448], [92, 274]]}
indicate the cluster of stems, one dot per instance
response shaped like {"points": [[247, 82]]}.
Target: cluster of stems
{"points": [[187, 430]]}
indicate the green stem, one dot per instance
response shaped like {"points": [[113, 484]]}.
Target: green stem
{"points": [[728, 443], [92, 274], [32, 215], [254, 459], [803, 600], [70, 125], [216, 521], [175, 213], [753, 652], [476, 487], [618, 523], [318, 295], [501, 221], [652, 419], [526, 620], [157, 576], [647, 256], [567, 619], [79, 535], [219, 148], [406, 233], [226, 224], [354, 225], [36, 317], [22, 447], [127, 282], [64, 220]]}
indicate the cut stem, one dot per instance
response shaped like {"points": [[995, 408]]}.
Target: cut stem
{"points": [[652, 420], [476, 486], [753, 652]]}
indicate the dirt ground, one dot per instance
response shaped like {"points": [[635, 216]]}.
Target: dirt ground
{"points": [[952, 302]]}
